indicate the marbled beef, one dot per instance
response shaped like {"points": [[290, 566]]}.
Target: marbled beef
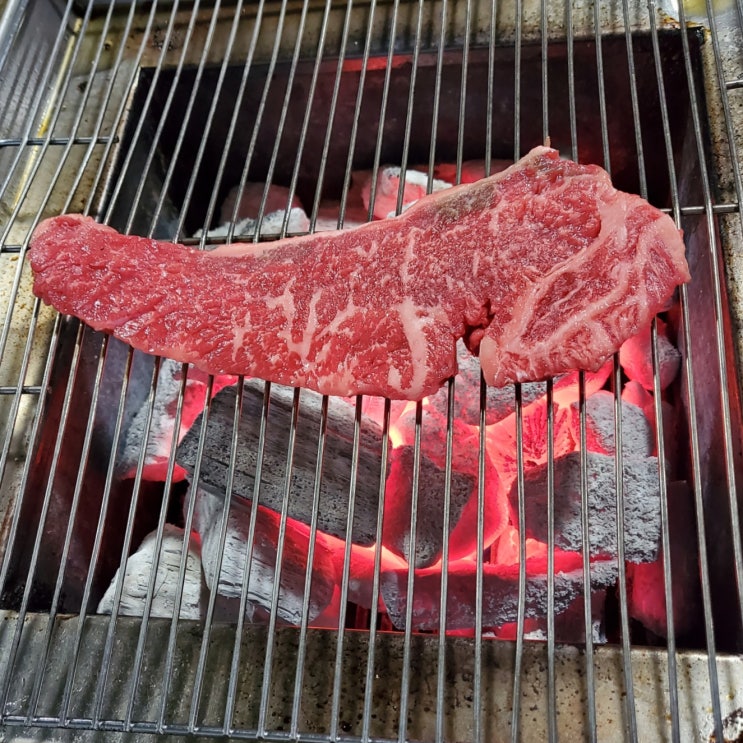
{"points": [[542, 268]]}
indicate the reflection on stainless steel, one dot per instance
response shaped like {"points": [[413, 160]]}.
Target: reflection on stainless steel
{"points": [[148, 118]]}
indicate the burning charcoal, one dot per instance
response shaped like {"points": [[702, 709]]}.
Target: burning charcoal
{"points": [[388, 185], [208, 517], [638, 441], [430, 512], [641, 505], [570, 624], [336, 475], [472, 170], [271, 224], [277, 200], [500, 592], [646, 594], [503, 445], [636, 358], [160, 435], [137, 577], [354, 216], [501, 401], [465, 461]]}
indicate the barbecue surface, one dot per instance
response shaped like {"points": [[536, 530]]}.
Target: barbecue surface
{"points": [[257, 618]]}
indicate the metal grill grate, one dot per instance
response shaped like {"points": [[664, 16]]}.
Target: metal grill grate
{"points": [[145, 116]]}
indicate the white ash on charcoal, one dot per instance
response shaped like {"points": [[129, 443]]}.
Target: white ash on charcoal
{"points": [[430, 511], [278, 199], [646, 587], [636, 358], [354, 215], [335, 484], [465, 462], [160, 433], [278, 203], [138, 572], [569, 625], [500, 592], [641, 505], [501, 401], [388, 187], [224, 571], [269, 226], [638, 441]]}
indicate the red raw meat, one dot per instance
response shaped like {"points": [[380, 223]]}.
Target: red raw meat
{"points": [[543, 268]]}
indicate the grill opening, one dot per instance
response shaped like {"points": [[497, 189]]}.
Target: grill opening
{"points": [[162, 101]]}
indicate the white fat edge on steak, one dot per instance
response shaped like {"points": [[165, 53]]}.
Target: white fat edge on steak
{"points": [[286, 333], [613, 227]]}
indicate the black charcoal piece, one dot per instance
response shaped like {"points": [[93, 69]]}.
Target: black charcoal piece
{"points": [[430, 512], [500, 594], [335, 485], [641, 505]]}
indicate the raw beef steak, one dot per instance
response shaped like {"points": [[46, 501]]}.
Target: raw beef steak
{"points": [[542, 268]]}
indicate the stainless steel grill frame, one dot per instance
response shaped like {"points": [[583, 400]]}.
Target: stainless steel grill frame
{"points": [[67, 142]]}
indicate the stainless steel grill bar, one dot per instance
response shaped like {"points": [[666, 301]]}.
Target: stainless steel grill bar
{"points": [[489, 98], [463, 86], [443, 603], [163, 117], [437, 98], [586, 554], [691, 397], [477, 731], [520, 616], [331, 119], [551, 671], [67, 696], [247, 65], [84, 456], [267, 668], [139, 652], [409, 596], [719, 279], [601, 86], [304, 622], [56, 141], [629, 706], [338, 666], [382, 115], [357, 110], [4, 688], [282, 120], [571, 81], [249, 547], [115, 72], [369, 677], [307, 115], [115, 194], [193, 723], [105, 666], [517, 82], [190, 107], [256, 127], [37, 103], [187, 527]]}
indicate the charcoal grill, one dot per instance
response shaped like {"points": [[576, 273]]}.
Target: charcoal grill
{"points": [[145, 116]]}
